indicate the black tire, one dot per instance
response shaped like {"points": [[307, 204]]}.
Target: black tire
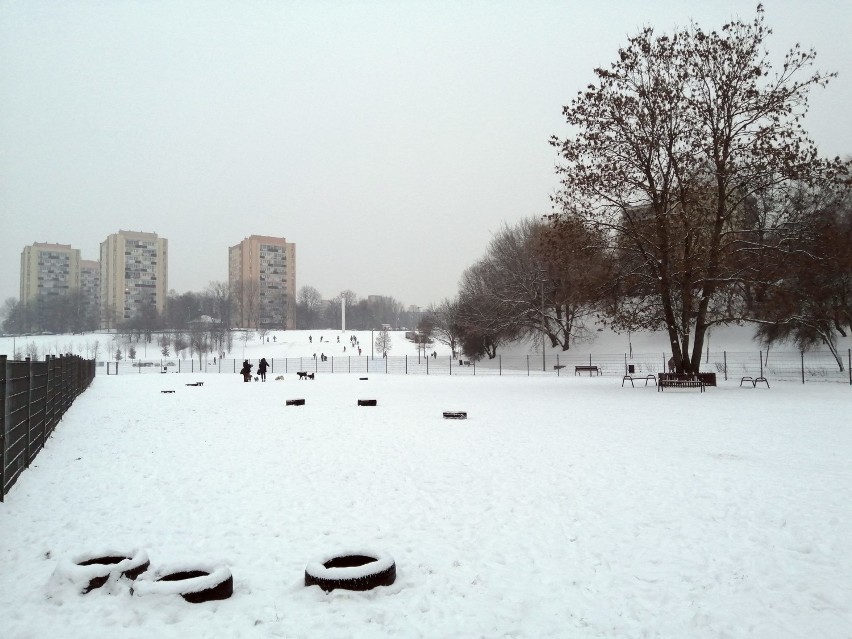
{"points": [[361, 570], [455, 415], [368, 402], [92, 570], [194, 584], [295, 402]]}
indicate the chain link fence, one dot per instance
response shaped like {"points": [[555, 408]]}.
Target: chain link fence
{"points": [[788, 366]]}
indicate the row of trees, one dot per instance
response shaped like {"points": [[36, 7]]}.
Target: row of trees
{"points": [[690, 197], [218, 303], [312, 312]]}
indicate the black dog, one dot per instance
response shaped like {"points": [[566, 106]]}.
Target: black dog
{"points": [[305, 375]]}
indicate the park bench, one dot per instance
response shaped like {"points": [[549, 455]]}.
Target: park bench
{"points": [[754, 381], [680, 383], [647, 378], [591, 369]]}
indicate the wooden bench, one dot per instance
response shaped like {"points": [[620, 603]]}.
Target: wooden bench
{"points": [[583, 369], [754, 381], [680, 383], [647, 378]]}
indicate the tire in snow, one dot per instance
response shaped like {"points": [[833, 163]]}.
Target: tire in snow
{"points": [[357, 570]]}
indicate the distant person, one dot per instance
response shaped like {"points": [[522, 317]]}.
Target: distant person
{"points": [[672, 367], [261, 369], [274, 338], [338, 339], [245, 371], [310, 340]]}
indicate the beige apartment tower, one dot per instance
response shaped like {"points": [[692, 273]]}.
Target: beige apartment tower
{"points": [[262, 277], [134, 270], [49, 270]]}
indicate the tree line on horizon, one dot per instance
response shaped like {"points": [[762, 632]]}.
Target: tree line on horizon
{"points": [[72, 313], [690, 197]]}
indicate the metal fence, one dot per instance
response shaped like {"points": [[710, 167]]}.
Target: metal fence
{"points": [[791, 366], [33, 397]]}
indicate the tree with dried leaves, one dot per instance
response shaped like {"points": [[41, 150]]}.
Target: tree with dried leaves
{"points": [[673, 141]]}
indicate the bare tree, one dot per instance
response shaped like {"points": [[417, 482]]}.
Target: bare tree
{"points": [[383, 341], [444, 321], [308, 307], [535, 279], [809, 301]]}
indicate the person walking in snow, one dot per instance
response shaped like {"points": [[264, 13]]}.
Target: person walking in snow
{"points": [[261, 369], [245, 371]]}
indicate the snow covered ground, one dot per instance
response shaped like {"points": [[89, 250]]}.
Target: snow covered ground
{"points": [[563, 507]]}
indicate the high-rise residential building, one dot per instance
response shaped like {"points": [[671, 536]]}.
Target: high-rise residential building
{"points": [[134, 275], [49, 270], [90, 284], [262, 276]]}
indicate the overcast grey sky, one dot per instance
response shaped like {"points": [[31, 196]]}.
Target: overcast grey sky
{"points": [[388, 140]]}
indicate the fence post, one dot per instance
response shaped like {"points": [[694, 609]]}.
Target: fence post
{"points": [[559, 370], [29, 410], [761, 362], [500, 364], [725, 364], [427, 365], [803, 367], [849, 352], [528, 365], [3, 426], [451, 364], [406, 364]]}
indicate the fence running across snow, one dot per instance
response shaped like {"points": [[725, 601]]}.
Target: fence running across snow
{"points": [[790, 366], [35, 396]]}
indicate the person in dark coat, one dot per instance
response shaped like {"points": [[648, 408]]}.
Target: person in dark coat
{"points": [[261, 369], [246, 371]]}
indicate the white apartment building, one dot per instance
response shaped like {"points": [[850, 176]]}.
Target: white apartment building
{"points": [[133, 275]]}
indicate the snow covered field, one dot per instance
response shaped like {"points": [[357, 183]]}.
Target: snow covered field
{"points": [[563, 507]]}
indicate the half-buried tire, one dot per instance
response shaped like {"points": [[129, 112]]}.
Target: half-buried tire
{"points": [[196, 583], [89, 571], [358, 570]]}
